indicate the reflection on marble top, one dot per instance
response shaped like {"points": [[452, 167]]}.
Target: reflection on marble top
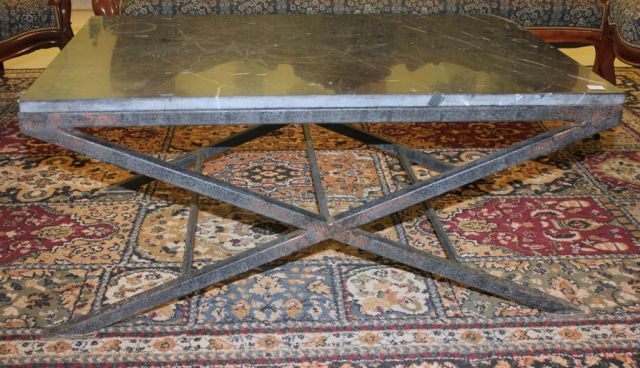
{"points": [[143, 63]]}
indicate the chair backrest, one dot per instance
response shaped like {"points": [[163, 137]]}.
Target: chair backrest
{"points": [[194, 7], [560, 14], [21, 16]]}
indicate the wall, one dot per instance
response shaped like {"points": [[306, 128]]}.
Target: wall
{"points": [[81, 4]]}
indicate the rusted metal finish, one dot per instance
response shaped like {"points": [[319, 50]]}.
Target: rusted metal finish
{"points": [[389, 147], [185, 285], [195, 182], [454, 271], [316, 228], [192, 222], [221, 146], [465, 174], [432, 216], [316, 176]]}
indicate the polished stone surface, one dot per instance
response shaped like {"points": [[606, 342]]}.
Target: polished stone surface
{"points": [[238, 62]]}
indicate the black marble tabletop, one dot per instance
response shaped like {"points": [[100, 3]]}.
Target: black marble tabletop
{"points": [[226, 62]]}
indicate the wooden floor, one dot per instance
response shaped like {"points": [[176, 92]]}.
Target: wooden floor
{"points": [[42, 58]]}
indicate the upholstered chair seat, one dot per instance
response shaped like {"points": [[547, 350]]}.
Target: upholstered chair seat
{"points": [[27, 25], [624, 18]]}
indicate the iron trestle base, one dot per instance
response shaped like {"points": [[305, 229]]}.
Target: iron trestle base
{"points": [[312, 227]]}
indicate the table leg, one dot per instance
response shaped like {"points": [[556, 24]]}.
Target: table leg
{"points": [[316, 228], [389, 147], [471, 277], [192, 223], [432, 216], [187, 284]]}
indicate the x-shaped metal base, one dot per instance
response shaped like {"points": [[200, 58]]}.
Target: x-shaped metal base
{"points": [[314, 228]]}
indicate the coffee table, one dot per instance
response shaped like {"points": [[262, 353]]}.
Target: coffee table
{"points": [[270, 71]]}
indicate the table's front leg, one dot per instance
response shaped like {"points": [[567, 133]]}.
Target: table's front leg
{"points": [[455, 271], [189, 283]]}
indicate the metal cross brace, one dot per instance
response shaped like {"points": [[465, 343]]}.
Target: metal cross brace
{"points": [[314, 228]]}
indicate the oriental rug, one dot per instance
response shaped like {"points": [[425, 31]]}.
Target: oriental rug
{"points": [[567, 224]]}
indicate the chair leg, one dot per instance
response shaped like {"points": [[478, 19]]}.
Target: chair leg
{"points": [[66, 37], [1, 69], [604, 60]]}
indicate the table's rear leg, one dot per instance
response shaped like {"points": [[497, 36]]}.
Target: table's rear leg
{"points": [[190, 239], [404, 154], [461, 175], [186, 179], [316, 176], [389, 147], [136, 181], [432, 216]]}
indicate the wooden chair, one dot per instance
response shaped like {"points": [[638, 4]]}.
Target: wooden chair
{"points": [[29, 25]]}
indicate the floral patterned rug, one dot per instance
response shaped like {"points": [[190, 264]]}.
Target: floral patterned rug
{"points": [[567, 224]]}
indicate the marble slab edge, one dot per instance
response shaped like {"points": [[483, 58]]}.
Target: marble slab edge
{"points": [[320, 102]]}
